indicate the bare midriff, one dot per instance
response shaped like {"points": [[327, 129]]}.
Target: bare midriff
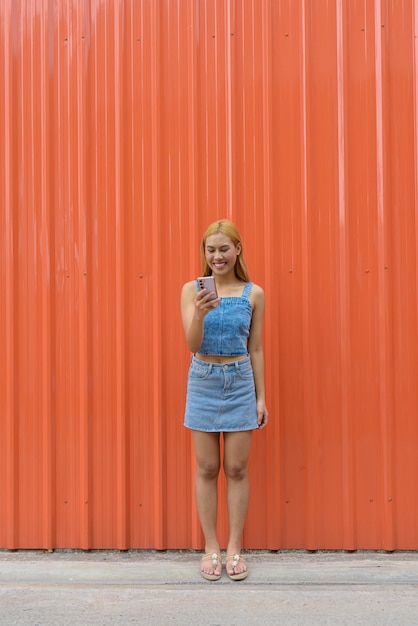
{"points": [[214, 358]]}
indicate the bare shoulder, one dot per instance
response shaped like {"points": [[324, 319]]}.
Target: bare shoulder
{"points": [[257, 295], [257, 290], [188, 290], [189, 286]]}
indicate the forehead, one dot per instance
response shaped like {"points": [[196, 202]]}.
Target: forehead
{"points": [[218, 240]]}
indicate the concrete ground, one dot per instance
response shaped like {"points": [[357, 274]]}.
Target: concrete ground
{"points": [[159, 588]]}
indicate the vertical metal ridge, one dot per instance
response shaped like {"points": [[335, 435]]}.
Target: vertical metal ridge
{"points": [[310, 434], [159, 441], [343, 305], [273, 503], [415, 108], [84, 281], [120, 335], [384, 308], [415, 149], [46, 322], [10, 475]]}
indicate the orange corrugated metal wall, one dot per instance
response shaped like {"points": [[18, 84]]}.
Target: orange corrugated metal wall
{"points": [[126, 127]]}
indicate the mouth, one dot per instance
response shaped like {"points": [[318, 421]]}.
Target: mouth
{"points": [[219, 266]]}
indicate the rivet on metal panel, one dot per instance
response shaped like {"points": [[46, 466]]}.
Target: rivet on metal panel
{"points": [[371, 500], [367, 271], [389, 499], [290, 271]]}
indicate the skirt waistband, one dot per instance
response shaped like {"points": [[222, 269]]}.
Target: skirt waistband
{"points": [[225, 366]]}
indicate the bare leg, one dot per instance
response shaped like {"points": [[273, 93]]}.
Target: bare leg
{"points": [[207, 451], [236, 455]]}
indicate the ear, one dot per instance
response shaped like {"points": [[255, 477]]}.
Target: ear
{"points": [[238, 248]]}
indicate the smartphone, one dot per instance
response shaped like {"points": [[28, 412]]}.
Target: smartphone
{"points": [[208, 282]]}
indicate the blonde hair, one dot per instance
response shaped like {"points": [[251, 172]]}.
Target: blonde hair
{"points": [[230, 230]]}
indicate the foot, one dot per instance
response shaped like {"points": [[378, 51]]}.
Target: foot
{"points": [[211, 566], [236, 566]]}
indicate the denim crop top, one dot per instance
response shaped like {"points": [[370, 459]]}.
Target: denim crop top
{"points": [[226, 329]]}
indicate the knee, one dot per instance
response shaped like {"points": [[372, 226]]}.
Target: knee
{"points": [[208, 471], [236, 472]]}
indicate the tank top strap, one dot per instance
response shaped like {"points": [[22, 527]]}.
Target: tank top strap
{"points": [[247, 290]]}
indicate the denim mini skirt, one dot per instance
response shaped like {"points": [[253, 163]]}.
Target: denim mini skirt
{"points": [[221, 396]]}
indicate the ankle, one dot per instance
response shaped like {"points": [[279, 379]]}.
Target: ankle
{"points": [[211, 548], [233, 548]]}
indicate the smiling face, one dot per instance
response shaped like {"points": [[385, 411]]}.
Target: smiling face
{"points": [[221, 253], [221, 249]]}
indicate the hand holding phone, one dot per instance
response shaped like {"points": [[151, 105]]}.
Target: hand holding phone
{"points": [[208, 282]]}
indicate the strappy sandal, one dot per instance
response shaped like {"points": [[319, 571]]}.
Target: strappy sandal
{"points": [[236, 558], [216, 560]]}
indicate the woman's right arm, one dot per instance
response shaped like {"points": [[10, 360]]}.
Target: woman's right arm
{"points": [[194, 308]]}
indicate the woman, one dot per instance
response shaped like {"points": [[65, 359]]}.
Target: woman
{"points": [[225, 390]]}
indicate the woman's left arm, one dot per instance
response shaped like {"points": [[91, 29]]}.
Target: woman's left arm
{"points": [[255, 349]]}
